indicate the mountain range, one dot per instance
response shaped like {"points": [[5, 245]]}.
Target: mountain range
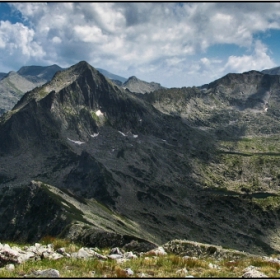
{"points": [[13, 85], [85, 158]]}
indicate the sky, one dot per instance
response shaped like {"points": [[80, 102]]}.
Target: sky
{"points": [[173, 43]]}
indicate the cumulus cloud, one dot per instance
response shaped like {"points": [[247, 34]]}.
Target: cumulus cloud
{"points": [[158, 41], [17, 43], [258, 60]]}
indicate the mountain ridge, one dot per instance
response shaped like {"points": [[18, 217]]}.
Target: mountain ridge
{"points": [[157, 159]]}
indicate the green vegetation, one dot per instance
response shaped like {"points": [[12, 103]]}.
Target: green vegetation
{"points": [[250, 162], [71, 211]]}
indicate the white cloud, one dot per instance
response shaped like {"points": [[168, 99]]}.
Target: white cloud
{"points": [[17, 43], [56, 40], [258, 60], [154, 40]]}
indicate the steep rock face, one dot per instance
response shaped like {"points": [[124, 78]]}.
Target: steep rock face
{"points": [[82, 133], [136, 85]]}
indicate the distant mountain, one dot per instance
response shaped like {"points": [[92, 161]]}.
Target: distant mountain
{"points": [[14, 84], [39, 73], [136, 85], [29, 77], [272, 71], [235, 105], [111, 76], [12, 87]]}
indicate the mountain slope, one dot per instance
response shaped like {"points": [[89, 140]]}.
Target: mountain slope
{"points": [[15, 84], [241, 112], [40, 74], [82, 133], [67, 216], [272, 71], [235, 105], [12, 87], [2, 75]]}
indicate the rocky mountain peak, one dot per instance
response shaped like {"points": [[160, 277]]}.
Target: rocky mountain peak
{"points": [[136, 85], [132, 78]]}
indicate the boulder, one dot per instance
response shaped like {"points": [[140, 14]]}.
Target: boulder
{"points": [[129, 255], [10, 267], [47, 273], [252, 272], [85, 253], [116, 250], [129, 272], [159, 251], [115, 256], [182, 272]]}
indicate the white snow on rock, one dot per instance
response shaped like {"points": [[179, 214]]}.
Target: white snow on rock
{"points": [[99, 113], [122, 133], [76, 142], [135, 135], [94, 135]]}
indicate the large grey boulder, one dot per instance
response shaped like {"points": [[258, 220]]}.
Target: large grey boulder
{"points": [[253, 272], [47, 273]]}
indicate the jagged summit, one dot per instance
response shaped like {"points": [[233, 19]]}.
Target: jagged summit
{"points": [[132, 78]]}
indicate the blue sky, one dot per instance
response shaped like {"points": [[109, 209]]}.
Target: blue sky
{"points": [[175, 44]]}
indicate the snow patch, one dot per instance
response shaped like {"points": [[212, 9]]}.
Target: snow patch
{"points": [[76, 142], [94, 135], [122, 133], [135, 135], [99, 113], [65, 204]]}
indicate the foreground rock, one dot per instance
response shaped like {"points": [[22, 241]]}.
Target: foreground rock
{"points": [[47, 273], [253, 272], [196, 249], [15, 255]]}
